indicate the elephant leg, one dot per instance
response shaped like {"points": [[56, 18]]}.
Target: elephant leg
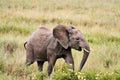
{"points": [[29, 56], [40, 65], [51, 63], [69, 60]]}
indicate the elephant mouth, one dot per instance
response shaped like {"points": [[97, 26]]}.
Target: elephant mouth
{"points": [[79, 49]]}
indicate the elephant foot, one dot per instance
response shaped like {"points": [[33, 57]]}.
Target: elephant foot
{"points": [[40, 69], [49, 78], [29, 63]]}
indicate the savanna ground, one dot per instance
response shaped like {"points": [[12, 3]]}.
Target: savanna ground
{"points": [[98, 20]]}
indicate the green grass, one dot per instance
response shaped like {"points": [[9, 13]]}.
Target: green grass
{"points": [[98, 20]]}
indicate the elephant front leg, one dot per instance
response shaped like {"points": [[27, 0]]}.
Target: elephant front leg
{"points": [[69, 60], [51, 63]]}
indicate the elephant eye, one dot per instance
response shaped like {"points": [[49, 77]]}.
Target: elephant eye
{"points": [[70, 32], [77, 38], [81, 39], [72, 27]]}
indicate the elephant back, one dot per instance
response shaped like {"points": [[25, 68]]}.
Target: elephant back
{"points": [[39, 37]]}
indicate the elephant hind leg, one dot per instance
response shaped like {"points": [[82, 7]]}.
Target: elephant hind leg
{"points": [[40, 65], [29, 56], [28, 63]]}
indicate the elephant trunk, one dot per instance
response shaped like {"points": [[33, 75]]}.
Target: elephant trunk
{"points": [[86, 50]]}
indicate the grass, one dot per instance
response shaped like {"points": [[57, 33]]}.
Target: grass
{"points": [[98, 20]]}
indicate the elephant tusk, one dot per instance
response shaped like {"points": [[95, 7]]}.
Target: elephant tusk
{"points": [[86, 50]]}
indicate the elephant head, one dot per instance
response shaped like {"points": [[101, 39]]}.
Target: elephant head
{"points": [[69, 36]]}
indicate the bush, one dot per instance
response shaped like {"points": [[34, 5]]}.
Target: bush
{"points": [[10, 46], [38, 76], [117, 74], [62, 75], [90, 75], [1, 65], [65, 74]]}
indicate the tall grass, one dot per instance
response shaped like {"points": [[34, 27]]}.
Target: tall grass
{"points": [[98, 20]]}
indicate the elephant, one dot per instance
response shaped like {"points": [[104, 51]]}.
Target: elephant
{"points": [[46, 45]]}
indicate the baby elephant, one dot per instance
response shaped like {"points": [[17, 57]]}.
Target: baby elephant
{"points": [[45, 45]]}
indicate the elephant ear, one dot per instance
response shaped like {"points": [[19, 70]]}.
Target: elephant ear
{"points": [[61, 34]]}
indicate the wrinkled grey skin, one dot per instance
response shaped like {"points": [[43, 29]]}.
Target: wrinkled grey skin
{"points": [[45, 45]]}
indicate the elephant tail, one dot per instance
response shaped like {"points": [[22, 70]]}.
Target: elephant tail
{"points": [[25, 44]]}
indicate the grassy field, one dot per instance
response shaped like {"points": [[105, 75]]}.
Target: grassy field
{"points": [[98, 20]]}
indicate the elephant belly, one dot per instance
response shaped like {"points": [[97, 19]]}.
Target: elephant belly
{"points": [[40, 54], [43, 57]]}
